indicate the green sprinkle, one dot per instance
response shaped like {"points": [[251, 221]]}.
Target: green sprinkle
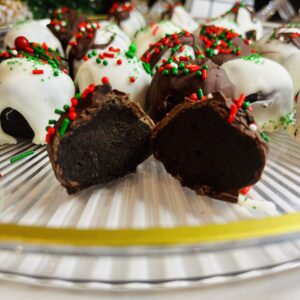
{"points": [[56, 73], [64, 126], [200, 93], [181, 66], [132, 47], [165, 72], [265, 137], [157, 67], [205, 67], [186, 71], [147, 68], [98, 60], [66, 107], [105, 62], [199, 74], [52, 122], [94, 53], [90, 55], [21, 156], [58, 111], [130, 54], [78, 96], [246, 105], [174, 71]]}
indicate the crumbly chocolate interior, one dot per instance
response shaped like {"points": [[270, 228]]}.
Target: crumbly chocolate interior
{"points": [[200, 148], [108, 140]]}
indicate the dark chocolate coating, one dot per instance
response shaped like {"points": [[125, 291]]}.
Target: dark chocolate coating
{"points": [[73, 18], [204, 152], [14, 124], [155, 53], [166, 92], [288, 37], [236, 42], [109, 139]]}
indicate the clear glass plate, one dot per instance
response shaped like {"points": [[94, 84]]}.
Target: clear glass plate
{"points": [[143, 230]]}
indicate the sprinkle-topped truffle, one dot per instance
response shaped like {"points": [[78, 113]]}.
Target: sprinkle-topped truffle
{"points": [[125, 72], [223, 44], [64, 22], [90, 40], [173, 47], [244, 17], [37, 80], [174, 81]]}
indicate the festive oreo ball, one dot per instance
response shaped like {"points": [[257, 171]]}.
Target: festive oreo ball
{"points": [[268, 88], [283, 46], [32, 84], [243, 16], [127, 17], [91, 39], [179, 16], [64, 22], [221, 44], [151, 34], [102, 137], [210, 146], [174, 81], [173, 46], [125, 72], [34, 32]]}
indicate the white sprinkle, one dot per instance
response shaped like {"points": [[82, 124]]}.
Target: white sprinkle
{"points": [[82, 29], [88, 26], [57, 27], [253, 127], [281, 39], [14, 52], [216, 52], [63, 23], [209, 96]]}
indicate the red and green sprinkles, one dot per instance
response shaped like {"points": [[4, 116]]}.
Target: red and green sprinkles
{"points": [[219, 40], [238, 103], [70, 112]]}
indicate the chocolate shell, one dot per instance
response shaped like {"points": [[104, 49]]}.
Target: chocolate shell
{"points": [[176, 80]]}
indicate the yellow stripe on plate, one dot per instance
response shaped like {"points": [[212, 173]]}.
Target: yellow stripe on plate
{"points": [[247, 229]]}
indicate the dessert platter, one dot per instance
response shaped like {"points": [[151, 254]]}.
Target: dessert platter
{"points": [[143, 156]]}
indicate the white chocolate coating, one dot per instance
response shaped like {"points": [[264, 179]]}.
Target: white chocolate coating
{"points": [[118, 74], [35, 33], [33, 96], [152, 34], [102, 37], [286, 54], [183, 19], [269, 78], [114, 28], [135, 22]]}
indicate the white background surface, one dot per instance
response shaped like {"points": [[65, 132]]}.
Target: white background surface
{"points": [[277, 286]]}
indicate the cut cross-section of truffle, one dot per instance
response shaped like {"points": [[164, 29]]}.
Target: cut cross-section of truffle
{"points": [[211, 146], [102, 137]]}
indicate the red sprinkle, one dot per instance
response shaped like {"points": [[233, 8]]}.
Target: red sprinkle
{"points": [[232, 115], [85, 58], [72, 115], [105, 80], [107, 54], [194, 97], [119, 61], [245, 190], [74, 101], [204, 74], [155, 30], [37, 72], [51, 130], [132, 79], [48, 138]]}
